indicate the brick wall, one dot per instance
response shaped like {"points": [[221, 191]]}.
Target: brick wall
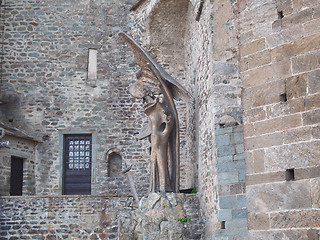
{"points": [[280, 72]]}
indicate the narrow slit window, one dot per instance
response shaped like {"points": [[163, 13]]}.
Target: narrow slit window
{"points": [[290, 174], [92, 64]]}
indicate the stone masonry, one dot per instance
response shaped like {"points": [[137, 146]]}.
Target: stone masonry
{"points": [[249, 140], [281, 79]]}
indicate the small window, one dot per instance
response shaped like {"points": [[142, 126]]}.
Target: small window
{"points": [[16, 177], [115, 165], [77, 164]]}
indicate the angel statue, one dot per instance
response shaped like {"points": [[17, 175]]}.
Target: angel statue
{"points": [[158, 89]]}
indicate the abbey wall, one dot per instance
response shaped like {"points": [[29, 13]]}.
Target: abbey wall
{"points": [[249, 138]]}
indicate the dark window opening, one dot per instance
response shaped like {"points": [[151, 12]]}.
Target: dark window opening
{"points": [[283, 97], [290, 174], [223, 225], [280, 14], [77, 164], [16, 177]]}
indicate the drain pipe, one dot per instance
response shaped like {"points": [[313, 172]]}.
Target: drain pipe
{"points": [[3, 143]]}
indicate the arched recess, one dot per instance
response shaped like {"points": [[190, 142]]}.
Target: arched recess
{"points": [[166, 28], [114, 160]]}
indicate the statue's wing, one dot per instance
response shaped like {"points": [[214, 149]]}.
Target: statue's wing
{"points": [[142, 58]]}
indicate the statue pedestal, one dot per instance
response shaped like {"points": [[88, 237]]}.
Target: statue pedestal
{"points": [[164, 216]]}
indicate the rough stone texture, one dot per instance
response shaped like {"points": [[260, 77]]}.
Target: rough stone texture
{"points": [[280, 103], [24, 149], [158, 217], [61, 217], [44, 77]]}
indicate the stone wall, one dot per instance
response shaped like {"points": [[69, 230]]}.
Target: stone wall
{"points": [[45, 82], [214, 120], [24, 149], [280, 72], [61, 217]]}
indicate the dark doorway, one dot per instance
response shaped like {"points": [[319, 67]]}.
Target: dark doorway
{"points": [[16, 178], [77, 164]]}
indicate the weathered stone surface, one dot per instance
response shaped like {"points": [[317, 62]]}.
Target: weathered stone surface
{"points": [[158, 218], [268, 140], [281, 157], [263, 94], [295, 219], [258, 221], [265, 178], [315, 185], [252, 47], [296, 86], [277, 124], [306, 62], [279, 196]]}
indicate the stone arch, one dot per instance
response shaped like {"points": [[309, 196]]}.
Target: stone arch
{"points": [[114, 162], [165, 34]]}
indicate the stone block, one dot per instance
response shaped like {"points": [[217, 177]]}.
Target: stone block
{"points": [[314, 82], [315, 193], [277, 124], [237, 188], [279, 234], [299, 5], [225, 151], [279, 196], [252, 47], [297, 47], [263, 95], [237, 224], [225, 159], [255, 114], [264, 141], [297, 155], [240, 156], [224, 215], [285, 6], [311, 27], [221, 131], [227, 202], [316, 132], [258, 221], [222, 140], [307, 173], [296, 86], [312, 102], [263, 178], [285, 108], [255, 161], [259, 59], [231, 166], [268, 73], [228, 177], [297, 134], [295, 20], [295, 219], [248, 130], [241, 201], [306, 62], [239, 213], [312, 117]]}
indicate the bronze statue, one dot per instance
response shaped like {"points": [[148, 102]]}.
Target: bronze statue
{"points": [[157, 89]]}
